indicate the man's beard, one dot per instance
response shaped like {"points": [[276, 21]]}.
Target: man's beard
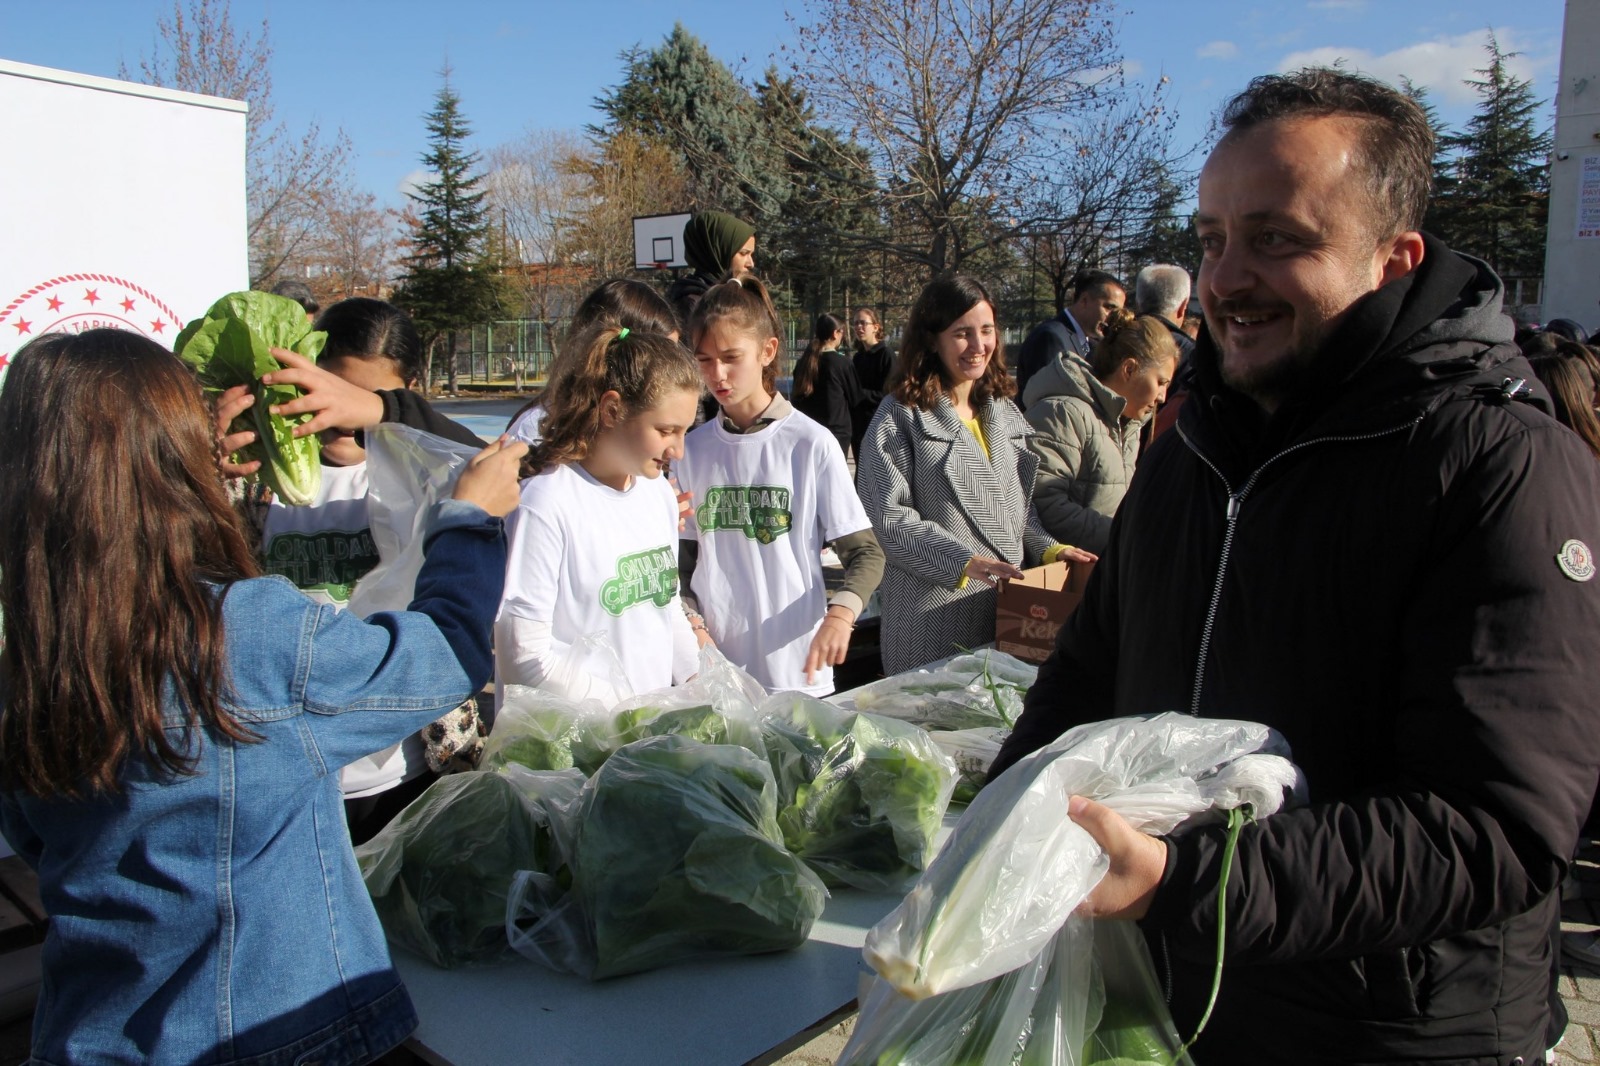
{"points": [[1271, 381]]}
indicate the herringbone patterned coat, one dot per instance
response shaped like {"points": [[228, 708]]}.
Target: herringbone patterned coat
{"points": [[935, 501]]}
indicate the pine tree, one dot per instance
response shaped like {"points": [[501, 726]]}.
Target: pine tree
{"points": [[678, 94], [1492, 181], [449, 280]]}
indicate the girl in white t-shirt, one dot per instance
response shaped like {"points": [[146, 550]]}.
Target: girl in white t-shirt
{"points": [[769, 488], [594, 543]]}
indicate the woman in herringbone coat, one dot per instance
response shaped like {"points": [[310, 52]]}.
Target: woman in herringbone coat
{"points": [[946, 478]]}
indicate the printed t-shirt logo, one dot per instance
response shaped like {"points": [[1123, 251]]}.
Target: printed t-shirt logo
{"points": [[643, 577], [760, 512], [329, 560]]}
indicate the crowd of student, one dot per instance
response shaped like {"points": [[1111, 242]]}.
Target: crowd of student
{"points": [[179, 731]]}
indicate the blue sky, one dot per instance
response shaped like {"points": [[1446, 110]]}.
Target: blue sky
{"points": [[372, 68]]}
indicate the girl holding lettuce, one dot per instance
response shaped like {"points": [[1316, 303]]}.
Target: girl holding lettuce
{"points": [[172, 724], [594, 541], [326, 546]]}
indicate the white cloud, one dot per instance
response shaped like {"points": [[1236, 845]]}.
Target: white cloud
{"points": [[413, 182], [1440, 64], [1218, 50]]}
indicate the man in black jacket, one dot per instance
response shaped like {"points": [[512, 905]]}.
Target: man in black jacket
{"points": [[1365, 535]]}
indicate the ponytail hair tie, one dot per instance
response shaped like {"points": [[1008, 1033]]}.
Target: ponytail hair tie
{"points": [[621, 333]]}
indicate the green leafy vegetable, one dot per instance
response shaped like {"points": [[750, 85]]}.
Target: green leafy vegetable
{"points": [[438, 874], [228, 347], [679, 856], [861, 797]]}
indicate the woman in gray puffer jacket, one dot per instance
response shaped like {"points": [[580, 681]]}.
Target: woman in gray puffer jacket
{"points": [[1086, 418]]}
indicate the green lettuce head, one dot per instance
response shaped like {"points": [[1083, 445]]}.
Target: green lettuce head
{"points": [[230, 346]]}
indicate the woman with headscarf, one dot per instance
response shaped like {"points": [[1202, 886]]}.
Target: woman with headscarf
{"points": [[716, 245]]}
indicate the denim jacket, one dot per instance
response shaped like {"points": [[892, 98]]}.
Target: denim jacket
{"points": [[219, 917]]}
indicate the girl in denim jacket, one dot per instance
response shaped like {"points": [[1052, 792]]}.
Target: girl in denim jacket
{"points": [[172, 725]]}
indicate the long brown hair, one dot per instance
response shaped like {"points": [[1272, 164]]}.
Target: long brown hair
{"points": [[114, 527], [920, 377], [1568, 372], [805, 371], [641, 368], [746, 302]]}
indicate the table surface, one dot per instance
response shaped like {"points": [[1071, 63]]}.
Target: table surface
{"points": [[746, 1009]]}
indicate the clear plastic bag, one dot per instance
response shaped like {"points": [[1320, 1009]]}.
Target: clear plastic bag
{"points": [[861, 798], [717, 706], [440, 872], [676, 855], [588, 669], [974, 751], [979, 689], [408, 471], [539, 730], [1016, 866]]}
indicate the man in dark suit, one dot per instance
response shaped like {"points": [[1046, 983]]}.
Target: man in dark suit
{"points": [[1095, 294]]}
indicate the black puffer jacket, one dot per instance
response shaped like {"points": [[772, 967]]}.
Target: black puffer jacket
{"points": [[1389, 571]]}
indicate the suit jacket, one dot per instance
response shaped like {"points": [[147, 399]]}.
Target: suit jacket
{"points": [[1048, 341], [935, 501]]}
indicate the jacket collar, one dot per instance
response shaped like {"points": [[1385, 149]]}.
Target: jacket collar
{"points": [[1401, 351]]}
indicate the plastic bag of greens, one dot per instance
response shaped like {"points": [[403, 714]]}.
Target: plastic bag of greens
{"points": [[539, 730], [408, 471], [996, 906], [439, 873], [677, 856], [974, 751], [861, 797], [1090, 998], [1010, 1021], [976, 690], [717, 706], [1016, 867]]}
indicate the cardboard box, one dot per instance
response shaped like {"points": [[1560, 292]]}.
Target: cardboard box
{"points": [[1031, 608]]}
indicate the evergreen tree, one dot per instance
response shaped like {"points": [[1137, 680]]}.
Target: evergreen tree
{"points": [[1492, 190], [815, 241], [449, 282], [679, 95]]}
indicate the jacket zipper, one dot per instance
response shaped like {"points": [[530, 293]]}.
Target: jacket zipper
{"points": [[1235, 502]]}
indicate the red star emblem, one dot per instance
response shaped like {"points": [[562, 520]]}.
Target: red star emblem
{"points": [[92, 295], [4, 359], [127, 303], [54, 302], [158, 326], [23, 326]]}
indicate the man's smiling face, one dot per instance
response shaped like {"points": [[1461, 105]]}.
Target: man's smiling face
{"points": [[1287, 224]]}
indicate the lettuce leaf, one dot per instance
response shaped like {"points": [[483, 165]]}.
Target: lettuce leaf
{"points": [[230, 345]]}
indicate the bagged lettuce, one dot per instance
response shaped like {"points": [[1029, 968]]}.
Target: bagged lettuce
{"points": [[439, 874], [718, 707], [228, 346], [982, 689], [539, 730], [861, 798], [676, 856]]}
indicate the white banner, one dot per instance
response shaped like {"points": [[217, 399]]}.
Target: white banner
{"points": [[123, 205]]}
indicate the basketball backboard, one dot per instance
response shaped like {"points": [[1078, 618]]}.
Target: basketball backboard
{"points": [[658, 241]]}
